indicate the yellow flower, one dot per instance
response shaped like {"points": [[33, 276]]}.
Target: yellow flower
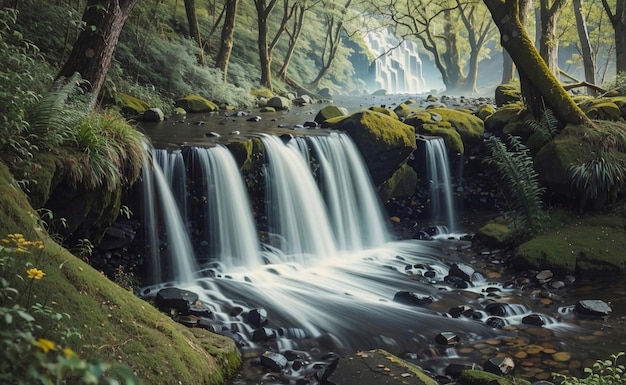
{"points": [[45, 345], [35, 273], [69, 353]]}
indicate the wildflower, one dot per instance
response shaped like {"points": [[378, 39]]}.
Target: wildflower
{"points": [[45, 345], [69, 353], [35, 273]]}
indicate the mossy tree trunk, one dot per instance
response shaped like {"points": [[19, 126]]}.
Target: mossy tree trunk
{"points": [[618, 21], [93, 50], [540, 88], [227, 37]]}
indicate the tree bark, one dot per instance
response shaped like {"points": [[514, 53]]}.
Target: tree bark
{"points": [[227, 38], [618, 21], [585, 44], [508, 67], [540, 88], [294, 35], [194, 29], [549, 41], [93, 50], [264, 10]]}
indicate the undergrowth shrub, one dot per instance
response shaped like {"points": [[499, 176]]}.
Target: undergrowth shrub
{"points": [[35, 348], [514, 165], [602, 372]]}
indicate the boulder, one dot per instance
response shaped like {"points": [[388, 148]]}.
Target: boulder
{"points": [[401, 184], [196, 103], [507, 93], [279, 103], [329, 112], [384, 142], [429, 123], [593, 308], [601, 109], [175, 299], [130, 105], [153, 115], [493, 235]]}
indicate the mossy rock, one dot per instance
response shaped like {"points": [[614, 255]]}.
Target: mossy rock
{"points": [[495, 235], [114, 325], [384, 142], [470, 127], [507, 93], [601, 109], [179, 111], [242, 152], [554, 159], [130, 105], [444, 130], [620, 102], [403, 110], [401, 184], [196, 103], [479, 377], [485, 111], [385, 111], [593, 245], [267, 109], [496, 122], [330, 112], [262, 93]]}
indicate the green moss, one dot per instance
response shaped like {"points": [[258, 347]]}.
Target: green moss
{"points": [[508, 93], [130, 104], [509, 113], [479, 377], [444, 130], [114, 324], [485, 111], [469, 126], [242, 152], [262, 93], [601, 109], [196, 103], [403, 110], [495, 234], [421, 376], [592, 245], [402, 183], [377, 127], [385, 111], [330, 115]]}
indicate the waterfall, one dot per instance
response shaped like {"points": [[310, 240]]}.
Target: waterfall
{"points": [[438, 172], [150, 221], [295, 207], [229, 229], [353, 205], [173, 165]]}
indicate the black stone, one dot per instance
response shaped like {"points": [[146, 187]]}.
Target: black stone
{"points": [[454, 369], [593, 308], [499, 365], [275, 362], [257, 317], [461, 310], [263, 334], [447, 339], [176, 299], [496, 322], [410, 298], [534, 320], [461, 270]]}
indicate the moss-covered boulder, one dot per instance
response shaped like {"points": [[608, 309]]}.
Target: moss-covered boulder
{"points": [[401, 184], [601, 109], [384, 142], [507, 93], [196, 103], [480, 377], [494, 235], [506, 119], [431, 123], [591, 245], [470, 127], [113, 325], [403, 110], [386, 111], [242, 152], [329, 112], [130, 105], [485, 111]]}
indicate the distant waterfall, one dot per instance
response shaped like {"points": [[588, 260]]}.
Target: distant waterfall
{"points": [[353, 205], [228, 225], [438, 170]]}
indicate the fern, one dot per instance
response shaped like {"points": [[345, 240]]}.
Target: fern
{"points": [[547, 127], [515, 166]]}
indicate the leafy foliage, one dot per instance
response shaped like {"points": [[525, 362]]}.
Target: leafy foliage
{"points": [[603, 174], [515, 166], [29, 353], [602, 372], [547, 127], [618, 83]]}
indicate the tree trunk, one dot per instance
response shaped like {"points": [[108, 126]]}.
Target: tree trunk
{"points": [[549, 42], [508, 67], [93, 50], [294, 35], [585, 44], [618, 21], [540, 88], [194, 30], [227, 41], [263, 11]]}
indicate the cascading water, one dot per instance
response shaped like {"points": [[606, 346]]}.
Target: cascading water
{"points": [[296, 211], [353, 206], [229, 229], [174, 170], [438, 173]]}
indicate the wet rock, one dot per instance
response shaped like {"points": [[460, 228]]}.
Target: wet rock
{"points": [[499, 365], [311, 124], [212, 135], [153, 115], [239, 339], [254, 119], [544, 276], [264, 334], [497, 309], [461, 310], [447, 339], [457, 282], [593, 308], [496, 322], [275, 362], [175, 299], [461, 270], [410, 298], [327, 370], [435, 230], [257, 317], [534, 320], [211, 325], [454, 369]]}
